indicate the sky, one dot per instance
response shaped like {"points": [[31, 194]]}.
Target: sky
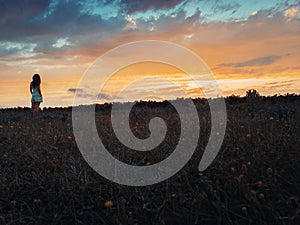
{"points": [[247, 44]]}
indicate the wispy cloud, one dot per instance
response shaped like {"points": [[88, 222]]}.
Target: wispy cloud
{"points": [[262, 61], [74, 90], [102, 96], [144, 5], [83, 94], [231, 6], [61, 42]]}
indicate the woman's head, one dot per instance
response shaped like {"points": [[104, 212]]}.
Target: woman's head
{"points": [[36, 80]]}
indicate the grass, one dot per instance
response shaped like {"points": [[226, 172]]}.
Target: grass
{"points": [[254, 179]]}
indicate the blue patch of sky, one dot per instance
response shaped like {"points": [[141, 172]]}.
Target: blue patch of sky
{"points": [[211, 11], [106, 10], [219, 10], [225, 11], [157, 13], [249, 7]]}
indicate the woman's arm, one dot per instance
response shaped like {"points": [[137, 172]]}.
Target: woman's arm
{"points": [[39, 90], [30, 87]]}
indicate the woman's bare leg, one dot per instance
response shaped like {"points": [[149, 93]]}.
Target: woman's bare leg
{"points": [[35, 108], [38, 107]]}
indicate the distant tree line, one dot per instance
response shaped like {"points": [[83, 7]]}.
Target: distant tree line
{"points": [[252, 96]]}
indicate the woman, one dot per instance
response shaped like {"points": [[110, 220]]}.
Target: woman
{"points": [[36, 95]]}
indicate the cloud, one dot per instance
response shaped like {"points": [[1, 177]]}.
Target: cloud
{"points": [[61, 42], [73, 90], [131, 23], [145, 5], [231, 6], [104, 9], [262, 61], [19, 18], [83, 94], [291, 12], [102, 96], [14, 11], [8, 47], [254, 13], [55, 29]]}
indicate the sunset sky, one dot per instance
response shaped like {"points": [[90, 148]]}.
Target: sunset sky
{"points": [[246, 44]]}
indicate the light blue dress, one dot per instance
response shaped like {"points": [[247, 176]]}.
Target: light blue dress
{"points": [[35, 96]]}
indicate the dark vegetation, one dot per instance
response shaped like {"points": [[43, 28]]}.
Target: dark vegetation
{"points": [[254, 179]]}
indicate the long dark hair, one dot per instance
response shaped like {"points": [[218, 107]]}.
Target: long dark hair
{"points": [[36, 80]]}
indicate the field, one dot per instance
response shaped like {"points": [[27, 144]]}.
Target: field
{"points": [[254, 179]]}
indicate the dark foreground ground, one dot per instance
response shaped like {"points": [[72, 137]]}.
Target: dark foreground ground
{"points": [[254, 179]]}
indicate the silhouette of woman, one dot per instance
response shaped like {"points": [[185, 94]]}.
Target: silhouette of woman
{"points": [[36, 95]]}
